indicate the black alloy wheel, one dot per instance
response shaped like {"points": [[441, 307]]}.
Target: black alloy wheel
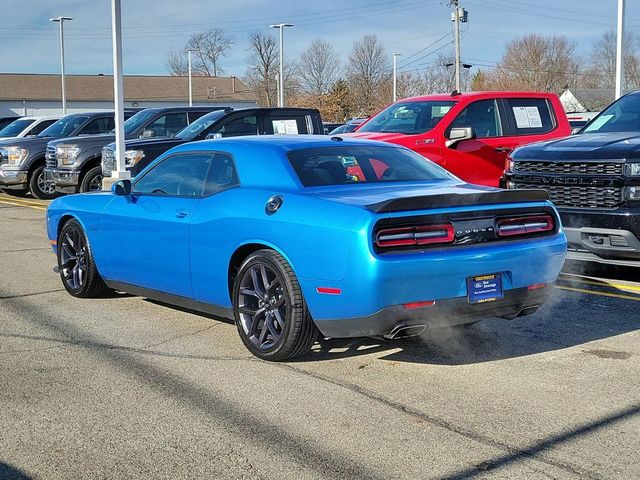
{"points": [[92, 181], [39, 187], [270, 312], [75, 263]]}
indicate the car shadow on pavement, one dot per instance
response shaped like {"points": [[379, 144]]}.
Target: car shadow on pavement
{"points": [[9, 472], [568, 319]]}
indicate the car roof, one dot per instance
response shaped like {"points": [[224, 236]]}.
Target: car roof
{"points": [[285, 142], [483, 94], [201, 108], [34, 117]]}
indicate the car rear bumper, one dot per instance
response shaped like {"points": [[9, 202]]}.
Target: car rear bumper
{"points": [[13, 178], [65, 181], [398, 320], [604, 237]]}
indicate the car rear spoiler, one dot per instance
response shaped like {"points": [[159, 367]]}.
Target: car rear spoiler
{"points": [[446, 200]]}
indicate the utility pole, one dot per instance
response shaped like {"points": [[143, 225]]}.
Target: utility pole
{"points": [[190, 85], [619, 56], [121, 171], [395, 76], [61, 21], [458, 15], [281, 27]]}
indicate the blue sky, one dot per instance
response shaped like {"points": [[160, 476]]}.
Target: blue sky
{"points": [[30, 43]]}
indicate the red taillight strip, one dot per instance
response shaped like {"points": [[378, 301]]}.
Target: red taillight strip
{"points": [[418, 235], [411, 305], [509, 227], [329, 290], [536, 286]]}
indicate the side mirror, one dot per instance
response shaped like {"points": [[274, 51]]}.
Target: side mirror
{"points": [[121, 188], [213, 135], [148, 134], [457, 135]]}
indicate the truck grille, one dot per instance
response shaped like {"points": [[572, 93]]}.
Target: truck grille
{"points": [[108, 162], [557, 168], [580, 197], [50, 156]]}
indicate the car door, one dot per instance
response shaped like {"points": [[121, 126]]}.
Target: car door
{"points": [[147, 232], [480, 160]]}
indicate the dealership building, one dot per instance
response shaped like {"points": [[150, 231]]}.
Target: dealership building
{"points": [[36, 94]]}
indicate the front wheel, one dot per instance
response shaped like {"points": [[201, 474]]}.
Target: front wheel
{"points": [[92, 181], [270, 312], [39, 187], [76, 265]]}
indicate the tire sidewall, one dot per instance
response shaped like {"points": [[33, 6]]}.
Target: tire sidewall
{"points": [[252, 260], [35, 189], [82, 291], [88, 177]]}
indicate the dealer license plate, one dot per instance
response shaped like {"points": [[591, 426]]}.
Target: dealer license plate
{"points": [[485, 288]]}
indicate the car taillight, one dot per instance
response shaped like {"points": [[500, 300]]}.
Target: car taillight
{"points": [[509, 227], [417, 235]]}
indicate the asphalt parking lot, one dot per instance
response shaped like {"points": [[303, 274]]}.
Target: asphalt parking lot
{"points": [[126, 387]]}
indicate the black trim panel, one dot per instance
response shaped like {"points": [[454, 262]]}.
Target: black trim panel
{"points": [[171, 299], [446, 200]]}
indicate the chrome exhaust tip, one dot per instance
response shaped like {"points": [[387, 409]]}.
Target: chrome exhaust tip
{"points": [[404, 331]]}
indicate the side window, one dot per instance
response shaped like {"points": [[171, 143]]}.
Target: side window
{"points": [[180, 175], [193, 116], [286, 124], [222, 174], [483, 116], [530, 116], [243, 125], [167, 125], [41, 126], [98, 125]]}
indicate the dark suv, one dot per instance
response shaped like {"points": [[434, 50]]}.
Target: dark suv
{"points": [[22, 160], [74, 164], [223, 123], [594, 180]]}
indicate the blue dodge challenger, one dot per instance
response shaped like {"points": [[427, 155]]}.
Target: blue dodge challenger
{"points": [[304, 235]]}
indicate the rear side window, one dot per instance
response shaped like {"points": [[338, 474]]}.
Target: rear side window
{"points": [[98, 125], [530, 116], [294, 124], [242, 125], [167, 125], [41, 126], [482, 116]]}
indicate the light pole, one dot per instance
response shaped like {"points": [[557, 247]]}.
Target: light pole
{"points": [[121, 171], [190, 85], [61, 21], [395, 75], [281, 27], [619, 42]]}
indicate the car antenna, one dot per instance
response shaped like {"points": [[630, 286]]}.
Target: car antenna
{"points": [[337, 139], [455, 93]]}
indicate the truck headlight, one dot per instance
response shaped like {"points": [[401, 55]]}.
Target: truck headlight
{"points": [[508, 166], [67, 154], [131, 157], [632, 193], [633, 169], [14, 155]]}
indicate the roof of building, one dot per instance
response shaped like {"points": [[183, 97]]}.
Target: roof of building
{"points": [[589, 99], [99, 88]]}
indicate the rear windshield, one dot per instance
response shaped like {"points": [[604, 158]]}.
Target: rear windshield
{"points": [[351, 165], [15, 127], [64, 126], [408, 117]]}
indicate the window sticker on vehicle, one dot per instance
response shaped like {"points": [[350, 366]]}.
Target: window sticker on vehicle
{"points": [[285, 127], [599, 122], [527, 117]]}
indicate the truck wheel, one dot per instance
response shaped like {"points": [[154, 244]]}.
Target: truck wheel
{"points": [[269, 310], [92, 180], [39, 187], [76, 265]]}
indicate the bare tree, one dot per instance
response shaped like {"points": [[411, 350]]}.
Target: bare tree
{"points": [[601, 68], [319, 66], [368, 67], [263, 67], [177, 62], [208, 48], [534, 62]]}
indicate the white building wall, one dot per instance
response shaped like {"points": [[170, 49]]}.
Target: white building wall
{"points": [[17, 107]]}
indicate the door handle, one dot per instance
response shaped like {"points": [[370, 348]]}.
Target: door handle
{"points": [[182, 213], [502, 149]]}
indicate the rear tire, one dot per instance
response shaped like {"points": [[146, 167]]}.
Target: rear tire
{"points": [[92, 180], [269, 310], [40, 188], [76, 265]]}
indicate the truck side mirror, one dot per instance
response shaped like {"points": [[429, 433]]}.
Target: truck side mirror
{"points": [[213, 135], [122, 188], [148, 134], [457, 135]]}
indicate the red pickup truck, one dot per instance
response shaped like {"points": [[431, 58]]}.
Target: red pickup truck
{"points": [[469, 134]]}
